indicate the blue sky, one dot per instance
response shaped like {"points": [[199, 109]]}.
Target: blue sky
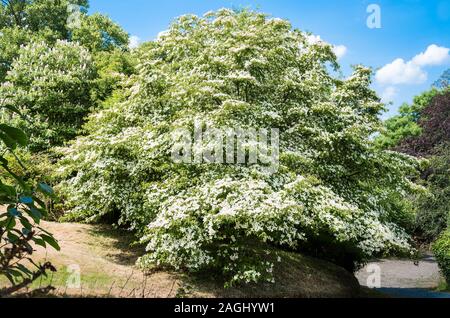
{"points": [[408, 28]]}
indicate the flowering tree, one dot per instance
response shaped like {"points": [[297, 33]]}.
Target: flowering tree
{"points": [[51, 86], [25, 21], [333, 188]]}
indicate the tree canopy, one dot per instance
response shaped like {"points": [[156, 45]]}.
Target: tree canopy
{"points": [[242, 69], [56, 72], [443, 81], [406, 124], [434, 123], [51, 85]]}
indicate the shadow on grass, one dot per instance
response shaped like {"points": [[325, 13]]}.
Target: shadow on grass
{"points": [[297, 276], [126, 251]]}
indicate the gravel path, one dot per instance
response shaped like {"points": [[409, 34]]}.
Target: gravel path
{"points": [[403, 278]]}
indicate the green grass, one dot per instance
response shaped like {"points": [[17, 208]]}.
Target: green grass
{"points": [[107, 262], [61, 279], [443, 287]]}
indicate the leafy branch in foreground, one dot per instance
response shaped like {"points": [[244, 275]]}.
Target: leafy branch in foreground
{"points": [[19, 223]]}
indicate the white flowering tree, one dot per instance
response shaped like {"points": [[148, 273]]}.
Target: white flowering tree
{"points": [[334, 195], [51, 87]]}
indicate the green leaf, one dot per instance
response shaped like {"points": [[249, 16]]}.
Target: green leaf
{"points": [[24, 269], [10, 223], [14, 212], [3, 161], [12, 109], [25, 231], [40, 242], [9, 190], [16, 135], [26, 224], [46, 188], [51, 241], [15, 273], [26, 200], [36, 215], [10, 278], [12, 237], [40, 203], [10, 143]]}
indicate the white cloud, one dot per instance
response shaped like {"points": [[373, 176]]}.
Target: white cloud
{"points": [[134, 42], [313, 39], [161, 34], [340, 51], [389, 94], [401, 72], [434, 55], [412, 72]]}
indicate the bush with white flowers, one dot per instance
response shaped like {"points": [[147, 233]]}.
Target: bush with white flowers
{"points": [[242, 69]]}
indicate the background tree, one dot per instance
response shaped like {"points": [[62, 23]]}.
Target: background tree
{"points": [[433, 209], [99, 33], [444, 81], [423, 130], [52, 86], [434, 124], [24, 21], [441, 249], [406, 124], [83, 66]]}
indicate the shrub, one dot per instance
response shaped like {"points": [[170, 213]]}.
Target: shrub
{"points": [[242, 69], [441, 251], [433, 210]]}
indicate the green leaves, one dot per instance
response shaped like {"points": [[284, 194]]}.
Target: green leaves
{"points": [[44, 188], [24, 208], [51, 241], [441, 249], [13, 212], [12, 137]]}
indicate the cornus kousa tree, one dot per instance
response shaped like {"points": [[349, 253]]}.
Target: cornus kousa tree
{"points": [[332, 190]]}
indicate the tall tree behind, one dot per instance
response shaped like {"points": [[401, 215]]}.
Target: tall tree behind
{"points": [[435, 125], [66, 80], [444, 80]]}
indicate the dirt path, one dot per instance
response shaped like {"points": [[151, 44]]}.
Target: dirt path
{"points": [[97, 261], [403, 278], [105, 262]]}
